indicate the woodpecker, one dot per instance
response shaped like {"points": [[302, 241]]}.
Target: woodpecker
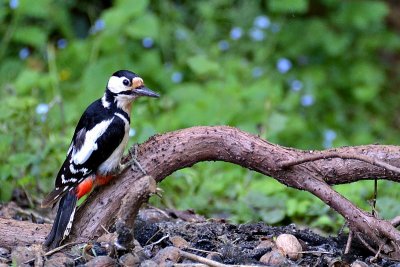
{"points": [[96, 149]]}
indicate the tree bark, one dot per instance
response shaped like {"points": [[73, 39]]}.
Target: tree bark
{"points": [[163, 154]]}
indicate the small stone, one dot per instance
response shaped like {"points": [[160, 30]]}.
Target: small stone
{"points": [[274, 258], [359, 263], [214, 256], [59, 259], [139, 251], [289, 245], [167, 254], [103, 261], [109, 238], [129, 259], [4, 256], [148, 263], [4, 252], [125, 236], [4, 265], [179, 242], [22, 254]]}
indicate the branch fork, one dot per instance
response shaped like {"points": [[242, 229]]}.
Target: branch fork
{"points": [[312, 171]]}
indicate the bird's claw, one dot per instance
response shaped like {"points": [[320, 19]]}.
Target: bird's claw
{"points": [[133, 161]]}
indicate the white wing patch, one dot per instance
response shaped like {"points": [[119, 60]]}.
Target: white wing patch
{"points": [[69, 225], [90, 143], [66, 181], [84, 171], [112, 163]]}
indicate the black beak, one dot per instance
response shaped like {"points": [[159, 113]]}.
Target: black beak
{"points": [[144, 91]]}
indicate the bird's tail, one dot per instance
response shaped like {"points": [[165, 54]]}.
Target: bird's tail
{"points": [[63, 221]]}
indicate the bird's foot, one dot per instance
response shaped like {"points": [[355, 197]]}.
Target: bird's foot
{"points": [[159, 192], [133, 161]]}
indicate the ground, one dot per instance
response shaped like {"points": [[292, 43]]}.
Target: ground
{"points": [[161, 235]]}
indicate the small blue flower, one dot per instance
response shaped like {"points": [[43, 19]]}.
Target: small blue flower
{"points": [[256, 34], [223, 45], [14, 4], [296, 85], [283, 65], [329, 137], [132, 132], [262, 22], [236, 33], [168, 65], [257, 72], [275, 27], [307, 100], [329, 134], [62, 43], [99, 25], [147, 42], [42, 108], [177, 77], [24, 53], [181, 34]]}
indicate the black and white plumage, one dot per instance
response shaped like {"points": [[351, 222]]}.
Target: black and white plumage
{"points": [[96, 148]]}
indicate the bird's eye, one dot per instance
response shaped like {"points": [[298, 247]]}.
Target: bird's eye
{"points": [[126, 82]]}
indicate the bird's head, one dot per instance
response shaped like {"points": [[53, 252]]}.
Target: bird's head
{"points": [[125, 84], [123, 87]]}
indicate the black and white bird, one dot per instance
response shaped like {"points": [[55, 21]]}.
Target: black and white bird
{"points": [[96, 149]]}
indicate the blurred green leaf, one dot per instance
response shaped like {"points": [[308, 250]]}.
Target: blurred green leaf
{"points": [[144, 26], [30, 35], [202, 66], [362, 14], [288, 6]]}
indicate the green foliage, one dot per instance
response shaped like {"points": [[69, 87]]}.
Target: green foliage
{"points": [[307, 74]]}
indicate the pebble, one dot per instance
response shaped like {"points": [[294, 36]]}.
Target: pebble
{"points": [[129, 259], [4, 251], [148, 263], [59, 259], [214, 256], [167, 254], [179, 242], [103, 261], [289, 245], [23, 254], [358, 263], [274, 258], [108, 237]]}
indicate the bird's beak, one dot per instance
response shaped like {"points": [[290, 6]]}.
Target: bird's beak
{"points": [[144, 91], [141, 90]]}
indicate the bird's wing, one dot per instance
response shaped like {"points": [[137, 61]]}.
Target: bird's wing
{"points": [[90, 147]]}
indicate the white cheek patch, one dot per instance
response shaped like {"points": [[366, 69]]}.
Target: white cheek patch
{"points": [[90, 144], [115, 84]]}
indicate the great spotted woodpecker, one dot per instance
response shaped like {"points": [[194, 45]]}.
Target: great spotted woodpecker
{"points": [[96, 149]]}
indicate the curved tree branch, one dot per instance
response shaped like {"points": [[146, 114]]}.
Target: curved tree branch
{"points": [[163, 154]]}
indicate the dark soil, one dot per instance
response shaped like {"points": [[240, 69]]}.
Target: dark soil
{"points": [[160, 235]]}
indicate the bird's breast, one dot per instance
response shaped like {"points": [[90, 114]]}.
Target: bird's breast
{"points": [[111, 164]]}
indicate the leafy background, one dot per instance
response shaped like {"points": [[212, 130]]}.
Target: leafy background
{"points": [[310, 74]]}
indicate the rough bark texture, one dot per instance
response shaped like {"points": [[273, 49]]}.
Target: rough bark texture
{"points": [[163, 154], [16, 233]]}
